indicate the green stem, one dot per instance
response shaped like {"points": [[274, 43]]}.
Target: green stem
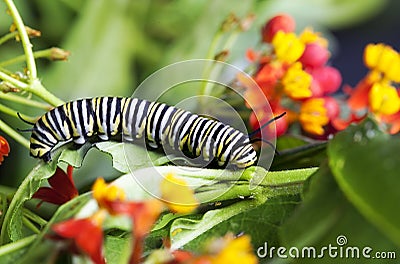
{"points": [[14, 134], [38, 89], [13, 81], [214, 44], [24, 101], [20, 244], [34, 217], [7, 37], [7, 190], [37, 54], [286, 177], [30, 225], [26, 44], [13, 113]]}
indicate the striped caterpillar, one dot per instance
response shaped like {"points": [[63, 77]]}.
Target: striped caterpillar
{"points": [[158, 124]]}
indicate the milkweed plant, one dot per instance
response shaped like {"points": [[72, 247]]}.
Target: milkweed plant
{"points": [[335, 170]]}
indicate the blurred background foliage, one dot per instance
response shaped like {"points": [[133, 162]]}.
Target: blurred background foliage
{"points": [[116, 44]]}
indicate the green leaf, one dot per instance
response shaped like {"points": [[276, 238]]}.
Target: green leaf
{"points": [[117, 249], [74, 157], [366, 163], [324, 215], [129, 157], [247, 216]]}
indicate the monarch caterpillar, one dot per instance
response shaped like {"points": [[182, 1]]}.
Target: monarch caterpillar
{"points": [[157, 123]]}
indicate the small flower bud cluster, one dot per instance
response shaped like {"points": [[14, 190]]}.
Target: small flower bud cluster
{"points": [[293, 73]]}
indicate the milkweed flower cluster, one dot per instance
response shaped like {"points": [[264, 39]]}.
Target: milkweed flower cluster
{"points": [[292, 72], [377, 92]]}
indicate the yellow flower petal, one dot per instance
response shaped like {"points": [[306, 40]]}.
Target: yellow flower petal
{"points": [[309, 36], [236, 251], [296, 82], [177, 195], [384, 99], [384, 59], [313, 116], [288, 48], [106, 192]]}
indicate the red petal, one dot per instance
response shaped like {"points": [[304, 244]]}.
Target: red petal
{"points": [[47, 194], [63, 183], [4, 147], [87, 236], [143, 214], [359, 96]]}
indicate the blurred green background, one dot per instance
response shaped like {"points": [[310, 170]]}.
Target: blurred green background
{"points": [[116, 44]]}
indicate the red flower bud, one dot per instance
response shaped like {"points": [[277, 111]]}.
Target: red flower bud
{"points": [[314, 55], [281, 124], [329, 78], [282, 22], [332, 107], [4, 148]]}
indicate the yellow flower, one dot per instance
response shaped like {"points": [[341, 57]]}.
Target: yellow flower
{"points": [[384, 59], [236, 251], [296, 82], [384, 99], [313, 116], [103, 192], [309, 36], [177, 195], [288, 47]]}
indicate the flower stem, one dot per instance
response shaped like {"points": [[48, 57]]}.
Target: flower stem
{"points": [[11, 112], [37, 54], [17, 245], [30, 225], [7, 37], [34, 217], [38, 89], [24, 101], [26, 44], [13, 81], [14, 134]]}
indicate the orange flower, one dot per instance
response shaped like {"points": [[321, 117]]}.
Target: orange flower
{"points": [[313, 116], [104, 193]]}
